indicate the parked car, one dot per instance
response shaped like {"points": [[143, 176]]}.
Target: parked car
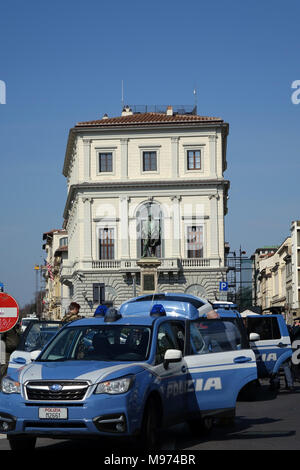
{"points": [[32, 341], [25, 321]]}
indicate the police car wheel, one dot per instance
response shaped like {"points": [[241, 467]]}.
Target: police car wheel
{"points": [[201, 427], [149, 437], [250, 391], [21, 442]]}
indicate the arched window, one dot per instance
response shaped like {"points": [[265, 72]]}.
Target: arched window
{"points": [[149, 230]]}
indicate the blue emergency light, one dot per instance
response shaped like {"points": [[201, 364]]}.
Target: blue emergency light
{"points": [[100, 311], [158, 311]]}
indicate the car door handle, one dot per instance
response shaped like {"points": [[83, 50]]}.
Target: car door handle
{"points": [[282, 345], [241, 359]]}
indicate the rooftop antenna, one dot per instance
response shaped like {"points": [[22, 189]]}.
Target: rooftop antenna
{"points": [[122, 94], [195, 99]]}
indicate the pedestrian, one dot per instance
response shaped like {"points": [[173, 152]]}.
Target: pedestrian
{"points": [[288, 376], [295, 332], [286, 367], [73, 313], [2, 357]]}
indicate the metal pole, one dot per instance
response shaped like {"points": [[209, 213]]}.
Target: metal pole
{"points": [[1, 356], [41, 294], [36, 291], [134, 284], [36, 268], [241, 284]]}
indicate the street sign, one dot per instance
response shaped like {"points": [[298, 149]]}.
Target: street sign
{"points": [[223, 286], [9, 312]]}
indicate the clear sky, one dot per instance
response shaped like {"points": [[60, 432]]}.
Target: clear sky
{"points": [[63, 62]]}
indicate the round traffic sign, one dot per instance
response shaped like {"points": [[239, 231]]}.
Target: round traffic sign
{"points": [[9, 312]]}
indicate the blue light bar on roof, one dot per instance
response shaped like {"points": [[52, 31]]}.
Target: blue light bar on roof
{"points": [[100, 311], [157, 310]]}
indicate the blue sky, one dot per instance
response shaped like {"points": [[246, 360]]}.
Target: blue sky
{"points": [[63, 62]]}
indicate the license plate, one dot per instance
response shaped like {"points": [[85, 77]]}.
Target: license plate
{"points": [[53, 413]]}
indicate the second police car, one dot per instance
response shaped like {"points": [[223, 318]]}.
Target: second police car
{"points": [[269, 338], [129, 373]]}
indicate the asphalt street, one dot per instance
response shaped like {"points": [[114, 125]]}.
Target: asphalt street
{"points": [[272, 422]]}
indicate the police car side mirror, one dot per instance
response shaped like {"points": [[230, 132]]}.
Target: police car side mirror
{"points": [[19, 360], [172, 355], [254, 337]]}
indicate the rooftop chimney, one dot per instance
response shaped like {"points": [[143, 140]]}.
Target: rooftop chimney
{"points": [[105, 116], [127, 111], [169, 111]]}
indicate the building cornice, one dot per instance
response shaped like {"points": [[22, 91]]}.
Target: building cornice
{"points": [[116, 186]]}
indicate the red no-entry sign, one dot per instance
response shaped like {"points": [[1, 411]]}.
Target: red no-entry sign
{"points": [[9, 312]]}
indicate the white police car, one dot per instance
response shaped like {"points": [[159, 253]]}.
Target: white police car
{"points": [[32, 341], [128, 374]]}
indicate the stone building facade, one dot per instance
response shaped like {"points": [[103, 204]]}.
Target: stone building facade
{"points": [[56, 297], [276, 283], [145, 208]]}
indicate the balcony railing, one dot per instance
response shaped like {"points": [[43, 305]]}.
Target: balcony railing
{"points": [[131, 265], [197, 262], [106, 264]]}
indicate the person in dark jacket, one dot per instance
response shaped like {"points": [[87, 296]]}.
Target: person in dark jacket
{"points": [[295, 330], [73, 313]]}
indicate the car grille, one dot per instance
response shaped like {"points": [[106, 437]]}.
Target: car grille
{"points": [[68, 425], [65, 390]]}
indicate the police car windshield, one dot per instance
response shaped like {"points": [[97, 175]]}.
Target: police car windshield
{"points": [[99, 343]]}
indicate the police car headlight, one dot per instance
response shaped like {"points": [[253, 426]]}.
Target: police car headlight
{"points": [[9, 385], [115, 387]]}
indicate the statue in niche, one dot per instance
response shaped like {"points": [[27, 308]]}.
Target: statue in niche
{"points": [[150, 236]]}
